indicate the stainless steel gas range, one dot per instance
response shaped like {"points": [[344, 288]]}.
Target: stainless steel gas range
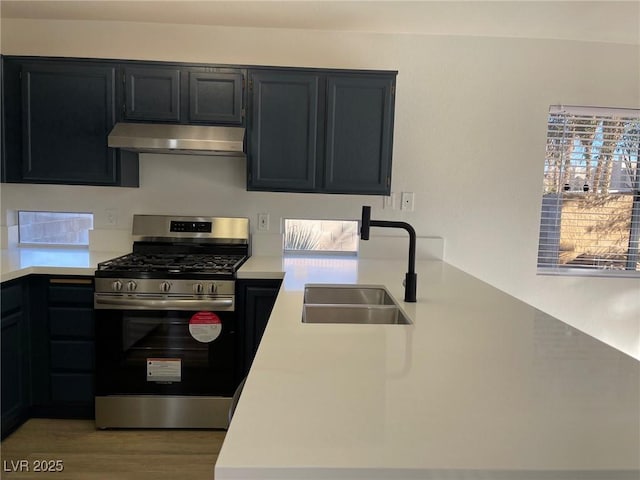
{"points": [[166, 327]]}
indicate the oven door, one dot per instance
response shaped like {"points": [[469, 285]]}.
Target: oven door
{"points": [[170, 352]]}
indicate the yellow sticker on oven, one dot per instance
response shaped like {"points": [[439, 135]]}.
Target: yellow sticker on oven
{"points": [[164, 370], [205, 327]]}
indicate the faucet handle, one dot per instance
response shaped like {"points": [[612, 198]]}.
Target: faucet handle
{"points": [[366, 223], [410, 284]]}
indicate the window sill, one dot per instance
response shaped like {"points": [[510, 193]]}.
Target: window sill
{"points": [[62, 246], [586, 272]]}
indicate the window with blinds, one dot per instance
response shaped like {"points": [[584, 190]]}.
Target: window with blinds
{"points": [[590, 220]]}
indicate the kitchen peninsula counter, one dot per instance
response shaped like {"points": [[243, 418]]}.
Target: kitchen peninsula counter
{"points": [[481, 385]]}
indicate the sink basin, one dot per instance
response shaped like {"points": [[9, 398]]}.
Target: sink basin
{"points": [[347, 294], [362, 314], [363, 304]]}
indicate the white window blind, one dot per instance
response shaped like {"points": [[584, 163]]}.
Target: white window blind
{"points": [[590, 220]]}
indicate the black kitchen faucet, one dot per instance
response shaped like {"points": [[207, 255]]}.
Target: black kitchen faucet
{"points": [[411, 278]]}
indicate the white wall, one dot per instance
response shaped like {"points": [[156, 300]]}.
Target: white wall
{"points": [[469, 140]]}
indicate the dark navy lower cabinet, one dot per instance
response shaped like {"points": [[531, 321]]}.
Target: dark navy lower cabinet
{"points": [[320, 131], [63, 348], [15, 355], [256, 299]]}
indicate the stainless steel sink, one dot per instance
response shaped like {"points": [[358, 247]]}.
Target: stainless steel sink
{"points": [[362, 304], [363, 314], [347, 294]]}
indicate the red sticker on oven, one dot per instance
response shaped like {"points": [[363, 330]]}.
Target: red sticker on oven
{"points": [[205, 327]]}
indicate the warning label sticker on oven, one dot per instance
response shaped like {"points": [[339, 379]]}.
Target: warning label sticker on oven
{"points": [[205, 327], [164, 370]]}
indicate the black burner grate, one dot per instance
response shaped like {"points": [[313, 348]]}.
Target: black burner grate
{"points": [[174, 263]]}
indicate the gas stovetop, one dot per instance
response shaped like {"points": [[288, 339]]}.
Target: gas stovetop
{"points": [[153, 265], [182, 248]]}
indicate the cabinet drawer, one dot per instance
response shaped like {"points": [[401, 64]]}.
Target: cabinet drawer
{"points": [[72, 388], [71, 322], [11, 298], [75, 291], [72, 355]]}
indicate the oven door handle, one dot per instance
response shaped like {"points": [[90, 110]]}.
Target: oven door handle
{"points": [[110, 302]]}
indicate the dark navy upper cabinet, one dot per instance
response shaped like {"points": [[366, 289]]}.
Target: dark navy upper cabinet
{"points": [[283, 129], [359, 134], [152, 93], [320, 131], [216, 97], [57, 115], [308, 130], [183, 94], [68, 110]]}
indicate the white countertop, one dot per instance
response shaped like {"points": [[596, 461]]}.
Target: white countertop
{"points": [[480, 386], [20, 261]]}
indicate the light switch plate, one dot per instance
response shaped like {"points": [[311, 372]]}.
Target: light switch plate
{"points": [[388, 203], [111, 217], [263, 222]]}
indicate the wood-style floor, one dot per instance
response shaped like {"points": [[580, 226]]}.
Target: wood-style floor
{"points": [[90, 454]]}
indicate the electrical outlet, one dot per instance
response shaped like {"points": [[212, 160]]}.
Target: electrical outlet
{"points": [[111, 216], [406, 202], [263, 222]]}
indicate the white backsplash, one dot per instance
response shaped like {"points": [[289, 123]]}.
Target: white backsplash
{"points": [[103, 240]]}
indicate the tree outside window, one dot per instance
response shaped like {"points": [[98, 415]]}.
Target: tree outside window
{"points": [[321, 236]]}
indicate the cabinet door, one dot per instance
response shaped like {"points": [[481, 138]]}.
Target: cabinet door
{"points": [[359, 134], [152, 93], [283, 131], [258, 298], [68, 110], [15, 358], [215, 98]]}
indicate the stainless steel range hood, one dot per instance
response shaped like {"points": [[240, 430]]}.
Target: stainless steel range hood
{"points": [[184, 139]]}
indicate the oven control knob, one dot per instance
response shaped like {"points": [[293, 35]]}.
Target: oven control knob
{"points": [[131, 286], [165, 286], [213, 288], [198, 288], [116, 286]]}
